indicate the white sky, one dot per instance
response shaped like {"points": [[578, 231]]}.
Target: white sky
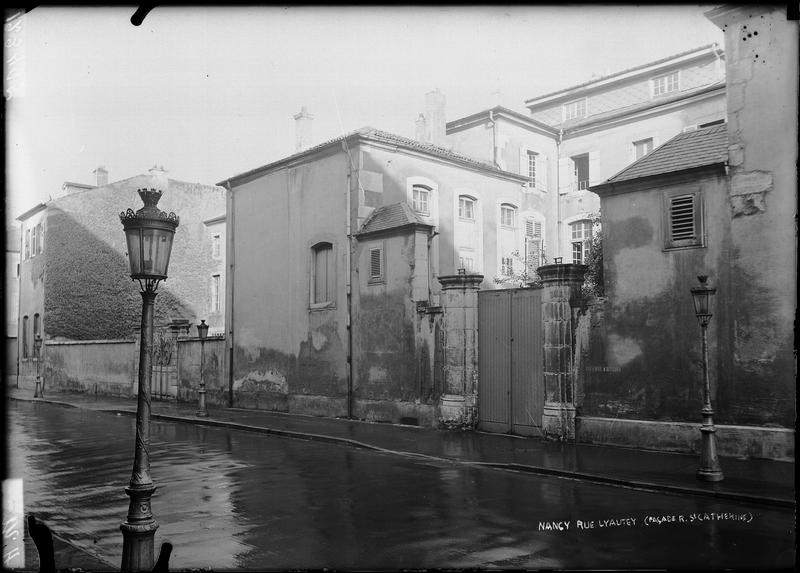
{"points": [[210, 92]]}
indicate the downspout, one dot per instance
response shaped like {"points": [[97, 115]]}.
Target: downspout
{"points": [[559, 225], [348, 286], [229, 233]]}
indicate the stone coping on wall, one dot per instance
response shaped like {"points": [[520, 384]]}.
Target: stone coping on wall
{"points": [[461, 281], [562, 272], [80, 342]]}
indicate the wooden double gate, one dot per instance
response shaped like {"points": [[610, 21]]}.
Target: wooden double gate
{"points": [[511, 380]]}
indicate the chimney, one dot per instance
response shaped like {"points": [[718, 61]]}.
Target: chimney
{"points": [[498, 98], [421, 132], [434, 115], [102, 176], [158, 178], [302, 122]]}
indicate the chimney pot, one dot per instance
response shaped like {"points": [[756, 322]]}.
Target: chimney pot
{"points": [[435, 117], [302, 122], [102, 176]]}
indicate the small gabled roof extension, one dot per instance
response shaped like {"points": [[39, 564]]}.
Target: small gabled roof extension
{"points": [[390, 217], [701, 148]]}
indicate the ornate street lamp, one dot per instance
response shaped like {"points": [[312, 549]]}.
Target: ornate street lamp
{"points": [[202, 331], [37, 348], [149, 233], [709, 462]]}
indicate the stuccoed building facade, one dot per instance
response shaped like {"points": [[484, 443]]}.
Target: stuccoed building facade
{"points": [[353, 271], [75, 290], [720, 201], [579, 136]]}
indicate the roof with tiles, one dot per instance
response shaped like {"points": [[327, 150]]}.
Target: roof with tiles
{"points": [[700, 148], [376, 135], [388, 217]]}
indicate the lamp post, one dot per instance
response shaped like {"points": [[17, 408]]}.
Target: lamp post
{"points": [[202, 331], [149, 233], [709, 462], [37, 348]]}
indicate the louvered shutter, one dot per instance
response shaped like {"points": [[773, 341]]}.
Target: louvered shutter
{"points": [[682, 218], [594, 168], [375, 264], [541, 172], [565, 174]]}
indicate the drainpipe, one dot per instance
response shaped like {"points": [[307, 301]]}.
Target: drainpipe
{"points": [[229, 286], [559, 226], [348, 286]]}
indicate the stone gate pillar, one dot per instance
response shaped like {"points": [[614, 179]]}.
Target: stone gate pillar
{"points": [[561, 300], [458, 406]]}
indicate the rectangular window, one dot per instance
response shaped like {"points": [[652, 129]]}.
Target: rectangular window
{"points": [[215, 246], [466, 261], [323, 277], [575, 109], [581, 171], [532, 167], [34, 241], [25, 350], [421, 200], [375, 264], [683, 221], [507, 266], [40, 234], [581, 235], [665, 84], [215, 294], [466, 208], [27, 243], [642, 147], [507, 213]]}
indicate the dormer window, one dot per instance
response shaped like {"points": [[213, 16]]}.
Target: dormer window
{"points": [[575, 109], [665, 84]]}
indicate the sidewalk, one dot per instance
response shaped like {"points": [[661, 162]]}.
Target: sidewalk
{"points": [[756, 481]]}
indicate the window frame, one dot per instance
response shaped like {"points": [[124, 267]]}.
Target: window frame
{"points": [[216, 288], [25, 346], [510, 208], [698, 216], [330, 275], [576, 181], [654, 82], [380, 278], [582, 242], [567, 109], [468, 200], [414, 203], [216, 245], [643, 141], [533, 158]]}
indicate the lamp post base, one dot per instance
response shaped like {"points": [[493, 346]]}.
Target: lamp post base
{"points": [[38, 391], [710, 469], [201, 404], [138, 531]]}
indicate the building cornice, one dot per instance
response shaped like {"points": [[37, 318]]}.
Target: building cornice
{"points": [[709, 51], [650, 109], [32, 211]]}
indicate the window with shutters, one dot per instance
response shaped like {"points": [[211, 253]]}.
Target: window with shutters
{"points": [[534, 245], [683, 224], [506, 266], [323, 275], [25, 334], [216, 298], [376, 265], [40, 228], [27, 243], [532, 155], [580, 164]]}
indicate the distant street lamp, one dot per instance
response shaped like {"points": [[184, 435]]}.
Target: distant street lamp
{"points": [[37, 348], [202, 331], [149, 233], [709, 462]]}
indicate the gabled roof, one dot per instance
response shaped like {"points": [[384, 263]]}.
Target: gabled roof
{"points": [[500, 111], [393, 216], [700, 148], [370, 134]]}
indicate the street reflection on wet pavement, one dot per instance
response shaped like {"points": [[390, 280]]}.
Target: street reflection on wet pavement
{"points": [[229, 499]]}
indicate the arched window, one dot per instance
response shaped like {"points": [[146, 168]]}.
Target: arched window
{"points": [[421, 196], [508, 215], [322, 274], [466, 207]]}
